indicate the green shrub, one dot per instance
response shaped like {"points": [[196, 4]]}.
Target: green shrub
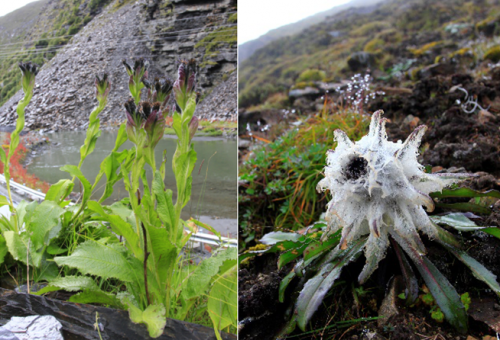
{"points": [[370, 28], [374, 45], [233, 18], [493, 54], [42, 43], [73, 30], [87, 19], [312, 75]]}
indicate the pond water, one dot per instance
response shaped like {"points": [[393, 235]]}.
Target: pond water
{"points": [[214, 191]]}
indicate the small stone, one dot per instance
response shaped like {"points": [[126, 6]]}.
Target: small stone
{"points": [[485, 116]]}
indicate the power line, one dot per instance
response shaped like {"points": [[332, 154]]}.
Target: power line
{"points": [[58, 47], [138, 26], [94, 43]]}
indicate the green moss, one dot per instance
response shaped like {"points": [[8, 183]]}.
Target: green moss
{"points": [[216, 40], [427, 47], [493, 54], [370, 28], [312, 75], [233, 18], [374, 45]]}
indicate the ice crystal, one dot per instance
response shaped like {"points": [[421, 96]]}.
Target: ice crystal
{"points": [[379, 188]]}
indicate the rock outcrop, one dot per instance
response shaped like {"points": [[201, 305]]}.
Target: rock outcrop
{"points": [[64, 93]]}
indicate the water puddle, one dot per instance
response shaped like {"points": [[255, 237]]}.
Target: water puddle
{"points": [[214, 191]]}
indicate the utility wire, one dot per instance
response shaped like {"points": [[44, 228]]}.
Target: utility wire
{"points": [[138, 26], [94, 43]]}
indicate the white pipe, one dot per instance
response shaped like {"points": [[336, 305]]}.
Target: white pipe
{"points": [[196, 237]]}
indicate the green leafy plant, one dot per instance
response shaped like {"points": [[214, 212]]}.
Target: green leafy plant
{"points": [[151, 279], [282, 176], [359, 219]]}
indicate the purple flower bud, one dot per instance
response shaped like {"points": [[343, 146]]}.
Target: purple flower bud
{"points": [[154, 124], [186, 79], [133, 117], [139, 70], [103, 86], [29, 70], [193, 127], [163, 88]]}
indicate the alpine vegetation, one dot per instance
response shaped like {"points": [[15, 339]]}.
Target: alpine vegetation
{"points": [[378, 191], [143, 270]]}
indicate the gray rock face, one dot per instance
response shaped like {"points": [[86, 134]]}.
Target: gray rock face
{"points": [[35, 327], [64, 94], [221, 103], [360, 60]]}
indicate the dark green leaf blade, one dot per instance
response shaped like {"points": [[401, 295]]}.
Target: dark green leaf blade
{"points": [[316, 288]]}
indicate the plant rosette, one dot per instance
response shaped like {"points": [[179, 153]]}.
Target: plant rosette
{"points": [[378, 191]]}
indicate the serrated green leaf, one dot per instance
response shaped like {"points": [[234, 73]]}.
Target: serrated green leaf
{"points": [[43, 220], [154, 316], [97, 296], [198, 282], [3, 199], [222, 303], [120, 227], [107, 261], [3, 248], [165, 207], [163, 253], [59, 191], [18, 248]]}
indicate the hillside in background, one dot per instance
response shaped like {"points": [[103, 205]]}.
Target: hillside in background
{"points": [[162, 33], [387, 38], [16, 24], [248, 48], [36, 32]]}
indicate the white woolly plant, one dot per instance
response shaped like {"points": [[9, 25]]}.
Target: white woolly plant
{"points": [[379, 189], [378, 193]]}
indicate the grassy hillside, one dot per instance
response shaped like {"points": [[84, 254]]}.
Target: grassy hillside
{"points": [[247, 49], [14, 24], [395, 34], [35, 32]]}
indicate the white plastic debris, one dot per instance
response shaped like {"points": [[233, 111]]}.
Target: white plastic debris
{"points": [[36, 327]]}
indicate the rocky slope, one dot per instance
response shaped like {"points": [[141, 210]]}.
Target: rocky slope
{"points": [[160, 32]]}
